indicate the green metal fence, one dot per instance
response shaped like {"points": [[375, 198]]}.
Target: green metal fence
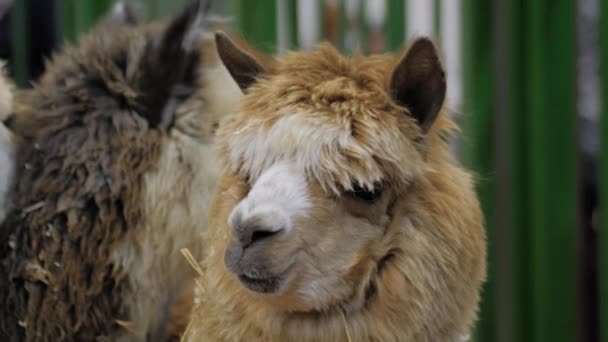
{"points": [[520, 136], [521, 96]]}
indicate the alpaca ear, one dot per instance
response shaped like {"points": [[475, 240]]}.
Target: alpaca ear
{"points": [[171, 65], [243, 67], [418, 83], [122, 13]]}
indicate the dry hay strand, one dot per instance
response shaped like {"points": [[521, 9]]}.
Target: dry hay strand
{"points": [[130, 327], [197, 268], [346, 327], [195, 265]]}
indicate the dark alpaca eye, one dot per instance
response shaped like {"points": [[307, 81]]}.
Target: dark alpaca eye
{"points": [[247, 180], [364, 195]]}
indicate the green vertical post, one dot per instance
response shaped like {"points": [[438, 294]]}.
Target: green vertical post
{"points": [[258, 23], [553, 158], [292, 11], [512, 248], [19, 46], [66, 12], [321, 21], [159, 9], [342, 27], [83, 13], [78, 16], [87, 12], [478, 143], [603, 176], [101, 8], [395, 25], [437, 18], [516, 326], [152, 9], [363, 43]]}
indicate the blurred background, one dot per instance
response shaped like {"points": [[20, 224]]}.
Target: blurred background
{"points": [[525, 83]]}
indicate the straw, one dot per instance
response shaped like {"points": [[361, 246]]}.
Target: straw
{"points": [[195, 265], [346, 326]]}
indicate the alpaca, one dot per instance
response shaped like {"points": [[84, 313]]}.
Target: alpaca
{"points": [[340, 214], [116, 172]]}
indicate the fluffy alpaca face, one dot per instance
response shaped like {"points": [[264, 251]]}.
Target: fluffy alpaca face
{"points": [[307, 247], [323, 148]]}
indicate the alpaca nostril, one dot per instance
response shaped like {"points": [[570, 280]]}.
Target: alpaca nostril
{"points": [[257, 234], [260, 235]]}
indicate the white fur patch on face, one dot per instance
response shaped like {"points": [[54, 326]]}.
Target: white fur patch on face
{"points": [[311, 145], [278, 196], [322, 147], [7, 169]]}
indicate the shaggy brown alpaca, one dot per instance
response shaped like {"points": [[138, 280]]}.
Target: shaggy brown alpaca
{"points": [[340, 211], [116, 173]]}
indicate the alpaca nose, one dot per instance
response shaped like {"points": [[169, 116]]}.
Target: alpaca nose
{"points": [[250, 232]]}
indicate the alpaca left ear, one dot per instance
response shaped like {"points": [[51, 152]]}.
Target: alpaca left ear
{"points": [[418, 83], [244, 68]]}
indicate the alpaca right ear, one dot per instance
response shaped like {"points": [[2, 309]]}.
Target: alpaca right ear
{"points": [[122, 13], [243, 67], [418, 82]]}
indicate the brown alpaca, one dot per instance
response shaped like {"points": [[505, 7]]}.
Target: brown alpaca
{"points": [[340, 211], [115, 176]]}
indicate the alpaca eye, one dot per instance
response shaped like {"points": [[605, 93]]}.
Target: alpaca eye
{"points": [[364, 195], [247, 180]]}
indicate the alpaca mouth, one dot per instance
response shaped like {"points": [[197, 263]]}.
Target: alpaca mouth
{"points": [[261, 285]]}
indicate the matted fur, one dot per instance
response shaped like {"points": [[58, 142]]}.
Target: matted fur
{"points": [[415, 271], [108, 190]]}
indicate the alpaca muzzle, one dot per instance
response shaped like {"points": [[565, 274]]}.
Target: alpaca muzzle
{"points": [[249, 254], [253, 267]]}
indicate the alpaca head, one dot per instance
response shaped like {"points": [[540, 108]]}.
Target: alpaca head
{"points": [[158, 86], [331, 164], [153, 70]]}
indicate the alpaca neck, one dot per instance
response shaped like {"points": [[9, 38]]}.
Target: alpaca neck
{"points": [[241, 314]]}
